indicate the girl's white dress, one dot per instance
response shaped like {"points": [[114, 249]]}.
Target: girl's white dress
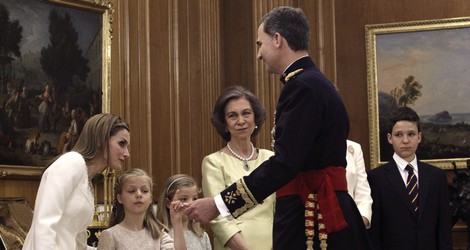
{"points": [[120, 238], [194, 242]]}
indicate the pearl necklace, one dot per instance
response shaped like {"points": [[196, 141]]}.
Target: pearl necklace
{"points": [[246, 166]]}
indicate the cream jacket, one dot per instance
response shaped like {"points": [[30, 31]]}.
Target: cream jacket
{"points": [[358, 186], [220, 170], [64, 206]]}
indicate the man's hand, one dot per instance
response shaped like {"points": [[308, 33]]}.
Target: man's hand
{"points": [[202, 210]]}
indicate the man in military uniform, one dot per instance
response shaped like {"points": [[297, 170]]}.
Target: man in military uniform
{"points": [[307, 172]]}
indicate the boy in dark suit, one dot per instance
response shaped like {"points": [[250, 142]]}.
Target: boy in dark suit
{"points": [[410, 208]]}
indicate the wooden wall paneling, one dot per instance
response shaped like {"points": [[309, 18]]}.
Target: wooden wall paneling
{"points": [[320, 15], [120, 71], [138, 84], [200, 88], [351, 69], [324, 37], [189, 113], [187, 47], [238, 43], [185, 75], [353, 91], [119, 60], [206, 140], [163, 57], [132, 95]]}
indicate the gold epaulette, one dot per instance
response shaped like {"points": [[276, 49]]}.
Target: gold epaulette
{"points": [[292, 74]]}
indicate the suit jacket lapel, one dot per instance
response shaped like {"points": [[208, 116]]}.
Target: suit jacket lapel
{"points": [[424, 182], [397, 183]]}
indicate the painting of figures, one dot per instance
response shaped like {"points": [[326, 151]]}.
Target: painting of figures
{"points": [[50, 78]]}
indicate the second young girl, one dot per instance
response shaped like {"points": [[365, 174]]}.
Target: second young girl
{"points": [[133, 224], [182, 188]]}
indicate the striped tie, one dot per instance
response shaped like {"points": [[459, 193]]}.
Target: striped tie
{"points": [[412, 186]]}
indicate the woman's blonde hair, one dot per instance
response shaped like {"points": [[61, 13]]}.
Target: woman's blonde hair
{"points": [[151, 223], [167, 194], [94, 138]]}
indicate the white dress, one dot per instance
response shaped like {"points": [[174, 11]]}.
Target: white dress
{"points": [[120, 238], [194, 242], [358, 186], [64, 206]]}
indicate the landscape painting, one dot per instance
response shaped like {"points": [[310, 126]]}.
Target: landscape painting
{"points": [[423, 65], [51, 77]]}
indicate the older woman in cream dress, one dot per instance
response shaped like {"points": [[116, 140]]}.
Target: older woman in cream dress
{"points": [[237, 117]]}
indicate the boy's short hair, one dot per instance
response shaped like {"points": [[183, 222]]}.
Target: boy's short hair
{"points": [[403, 114]]}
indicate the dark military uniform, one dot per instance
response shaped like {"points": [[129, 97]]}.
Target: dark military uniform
{"points": [[310, 132]]}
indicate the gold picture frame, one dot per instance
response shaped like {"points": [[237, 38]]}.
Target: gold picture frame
{"points": [[421, 64], [102, 54]]}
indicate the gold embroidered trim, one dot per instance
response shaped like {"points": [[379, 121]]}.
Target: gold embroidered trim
{"points": [[231, 197], [245, 194], [293, 73], [248, 192]]}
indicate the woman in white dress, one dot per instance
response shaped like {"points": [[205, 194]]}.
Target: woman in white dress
{"points": [[358, 186], [64, 204]]}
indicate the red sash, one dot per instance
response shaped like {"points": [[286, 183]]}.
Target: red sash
{"points": [[323, 183]]}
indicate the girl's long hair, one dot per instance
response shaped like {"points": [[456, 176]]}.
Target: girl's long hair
{"points": [[151, 223], [167, 194]]}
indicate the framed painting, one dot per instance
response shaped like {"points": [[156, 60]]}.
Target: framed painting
{"points": [[55, 61], [423, 65]]}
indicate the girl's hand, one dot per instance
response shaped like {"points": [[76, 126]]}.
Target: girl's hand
{"points": [[177, 209]]}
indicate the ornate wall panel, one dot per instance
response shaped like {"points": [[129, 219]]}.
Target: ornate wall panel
{"points": [[184, 75]]}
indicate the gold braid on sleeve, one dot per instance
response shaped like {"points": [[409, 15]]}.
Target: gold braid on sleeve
{"points": [[245, 194]]}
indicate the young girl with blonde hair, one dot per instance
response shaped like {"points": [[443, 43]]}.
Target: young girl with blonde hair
{"points": [[182, 188], [133, 224]]}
